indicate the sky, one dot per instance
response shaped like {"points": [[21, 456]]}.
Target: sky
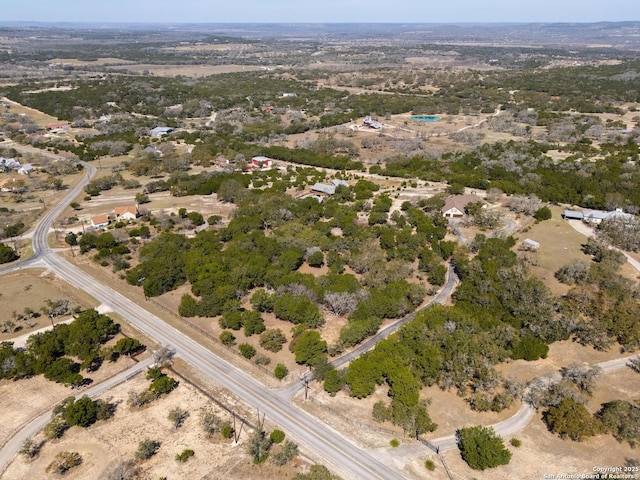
{"points": [[319, 11]]}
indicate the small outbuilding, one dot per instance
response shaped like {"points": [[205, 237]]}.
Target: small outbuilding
{"points": [[161, 131], [100, 221]]}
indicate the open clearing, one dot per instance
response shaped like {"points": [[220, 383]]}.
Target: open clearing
{"points": [[186, 70], [544, 453], [109, 442], [31, 288]]}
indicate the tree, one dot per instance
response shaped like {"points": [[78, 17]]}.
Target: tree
{"points": [[163, 384], [530, 348], [298, 309], [262, 301], [541, 214], [186, 454], [227, 338], [309, 346], [576, 272], [622, 420], [210, 423], [71, 239], [30, 449], [252, 322], [571, 419], [333, 382], [147, 449], [142, 198], [481, 448], [7, 254], [583, 377], [280, 371], [127, 346], [177, 416], [55, 428], [316, 259], [272, 340], [258, 446], [247, 350], [64, 461], [127, 470], [82, 412], [288, 451]]}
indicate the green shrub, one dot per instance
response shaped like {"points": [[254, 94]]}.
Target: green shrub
{"points": [[277, 436], [227, 338], [395, 443], [246, 350], [147, 449], [185, 455], [430, 465], [280, 371], [515, 442], [226, 431]]}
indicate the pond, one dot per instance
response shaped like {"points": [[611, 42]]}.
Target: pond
{"points": [[425, 118]]}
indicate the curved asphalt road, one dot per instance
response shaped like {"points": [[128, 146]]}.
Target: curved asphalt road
{"points": [[13, 445], [329, 446]]}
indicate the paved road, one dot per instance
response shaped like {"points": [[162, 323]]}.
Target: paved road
{"points": [[442, 296], [526, 412], [588, 231], [327, 445], [12, 446]]}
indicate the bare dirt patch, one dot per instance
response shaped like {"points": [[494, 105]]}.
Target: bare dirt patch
{"points": [[98, 62], [187, 70], [544, 453], [109, 442], [30, 289], [560, 244], [42, 394], [39, 118], [561, 354]]}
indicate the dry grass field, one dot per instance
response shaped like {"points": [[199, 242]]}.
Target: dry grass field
{"points": [[186, 70], [39, 118], [110, 442], [545, 453], [30, 289]]}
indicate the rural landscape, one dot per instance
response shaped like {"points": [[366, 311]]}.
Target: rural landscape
{"points": [[319, 252]]}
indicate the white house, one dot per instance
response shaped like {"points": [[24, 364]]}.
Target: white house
{"points": [[25, 169], [130, 212], [100, 221], [595, 217]]}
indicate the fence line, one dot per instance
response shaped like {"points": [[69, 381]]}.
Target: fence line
{"points": [[212, 398], [209, 336]]}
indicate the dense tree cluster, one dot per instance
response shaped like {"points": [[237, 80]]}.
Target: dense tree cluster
{"points": [[481, 448], [50, 352]]}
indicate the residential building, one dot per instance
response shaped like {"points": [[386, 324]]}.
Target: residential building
{"points": [[130, 212], [262, 162], [323, 188], [100, 221], [161, 131], [454, 206]]}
